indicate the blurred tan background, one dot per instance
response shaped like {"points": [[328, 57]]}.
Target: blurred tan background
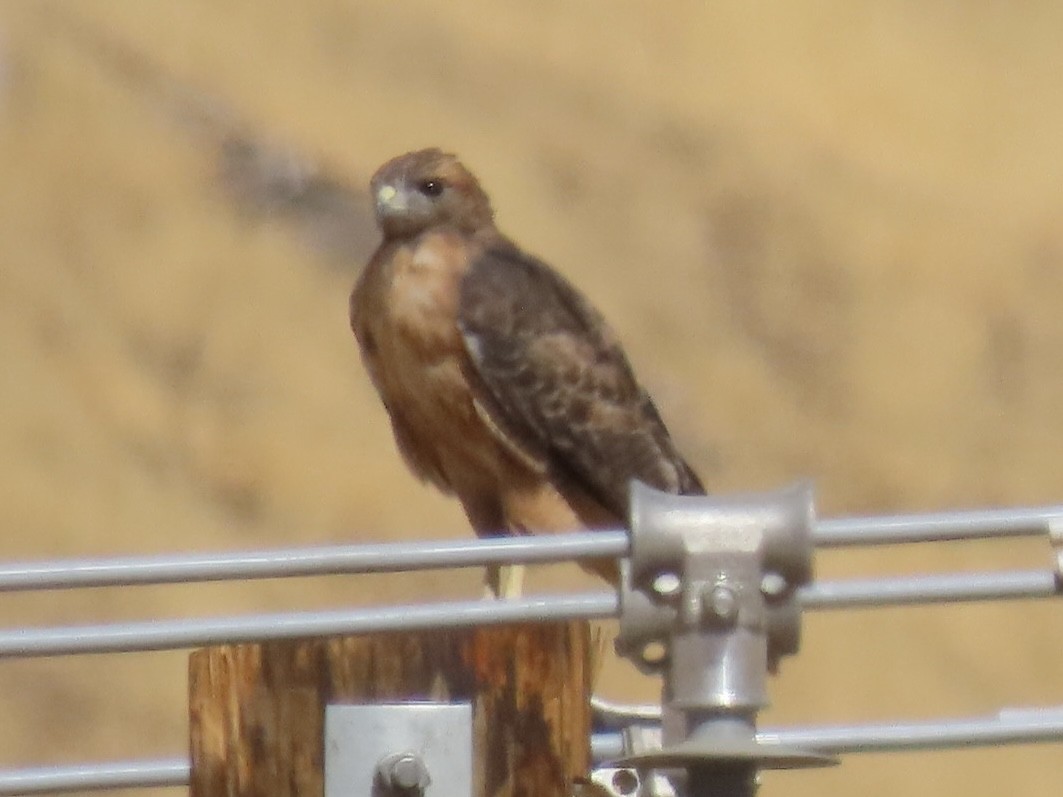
{"points": [[829, 234]]}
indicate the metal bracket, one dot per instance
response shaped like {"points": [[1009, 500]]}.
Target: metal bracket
{"points": [[709, 601], [398, 750]]}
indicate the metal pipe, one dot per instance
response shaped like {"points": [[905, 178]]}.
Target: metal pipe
{"points": [[317, 561], [170, 634], [936, 526], [1008, 727], [97, 776], [395, 557], [1011, 726], [933, 588]]}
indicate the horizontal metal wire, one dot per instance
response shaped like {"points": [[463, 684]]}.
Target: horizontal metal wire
{"points": [[171, 634], [933, 588], [968, 524], [184, 633], [394, 557], [1011, 726], [96, 776], [318, 561]]}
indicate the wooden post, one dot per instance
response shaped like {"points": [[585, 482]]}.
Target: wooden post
{"points": [[257, 711]]}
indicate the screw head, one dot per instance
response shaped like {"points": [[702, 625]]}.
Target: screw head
{"points": [[721, 602], [403, 773]]}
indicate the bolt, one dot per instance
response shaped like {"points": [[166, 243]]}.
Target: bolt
{"points": [[721, 601], [625, 781], [403, 773], [773, 585], [667, 584]]}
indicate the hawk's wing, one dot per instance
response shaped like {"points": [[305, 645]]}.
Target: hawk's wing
{"points": [[559, 385]]}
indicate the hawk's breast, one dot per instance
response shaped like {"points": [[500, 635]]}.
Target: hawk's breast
{"points": [[404, 314]]}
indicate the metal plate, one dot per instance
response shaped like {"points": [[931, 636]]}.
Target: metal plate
{"points": [[357, 737]]}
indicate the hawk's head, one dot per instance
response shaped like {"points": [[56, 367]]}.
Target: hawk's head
{"points": [[428, 188]]}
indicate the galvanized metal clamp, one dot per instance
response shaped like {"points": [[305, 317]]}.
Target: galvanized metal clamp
{"points": [[398, 750], [708, 601]]}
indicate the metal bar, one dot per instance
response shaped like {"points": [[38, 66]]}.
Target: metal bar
{"points": [[1027, 726], [613, 715], [1009, 727], [172, 634], [434, 739], [93, 777], [936, 588], [394, 557], [936, 526], [325, 560]]}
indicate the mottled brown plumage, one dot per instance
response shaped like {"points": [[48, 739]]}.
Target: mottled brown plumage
{"points": [[505, 387]]}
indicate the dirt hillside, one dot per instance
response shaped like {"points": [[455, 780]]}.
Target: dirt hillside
{"points": [[828, 233]]}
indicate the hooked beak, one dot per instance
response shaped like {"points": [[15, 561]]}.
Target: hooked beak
{"points": [[390, 200]]}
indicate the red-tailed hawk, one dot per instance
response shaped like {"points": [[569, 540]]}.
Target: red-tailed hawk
{"points": [[505, 387]]}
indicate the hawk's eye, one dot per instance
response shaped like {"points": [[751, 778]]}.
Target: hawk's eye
{"points": [[431, 188]]}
